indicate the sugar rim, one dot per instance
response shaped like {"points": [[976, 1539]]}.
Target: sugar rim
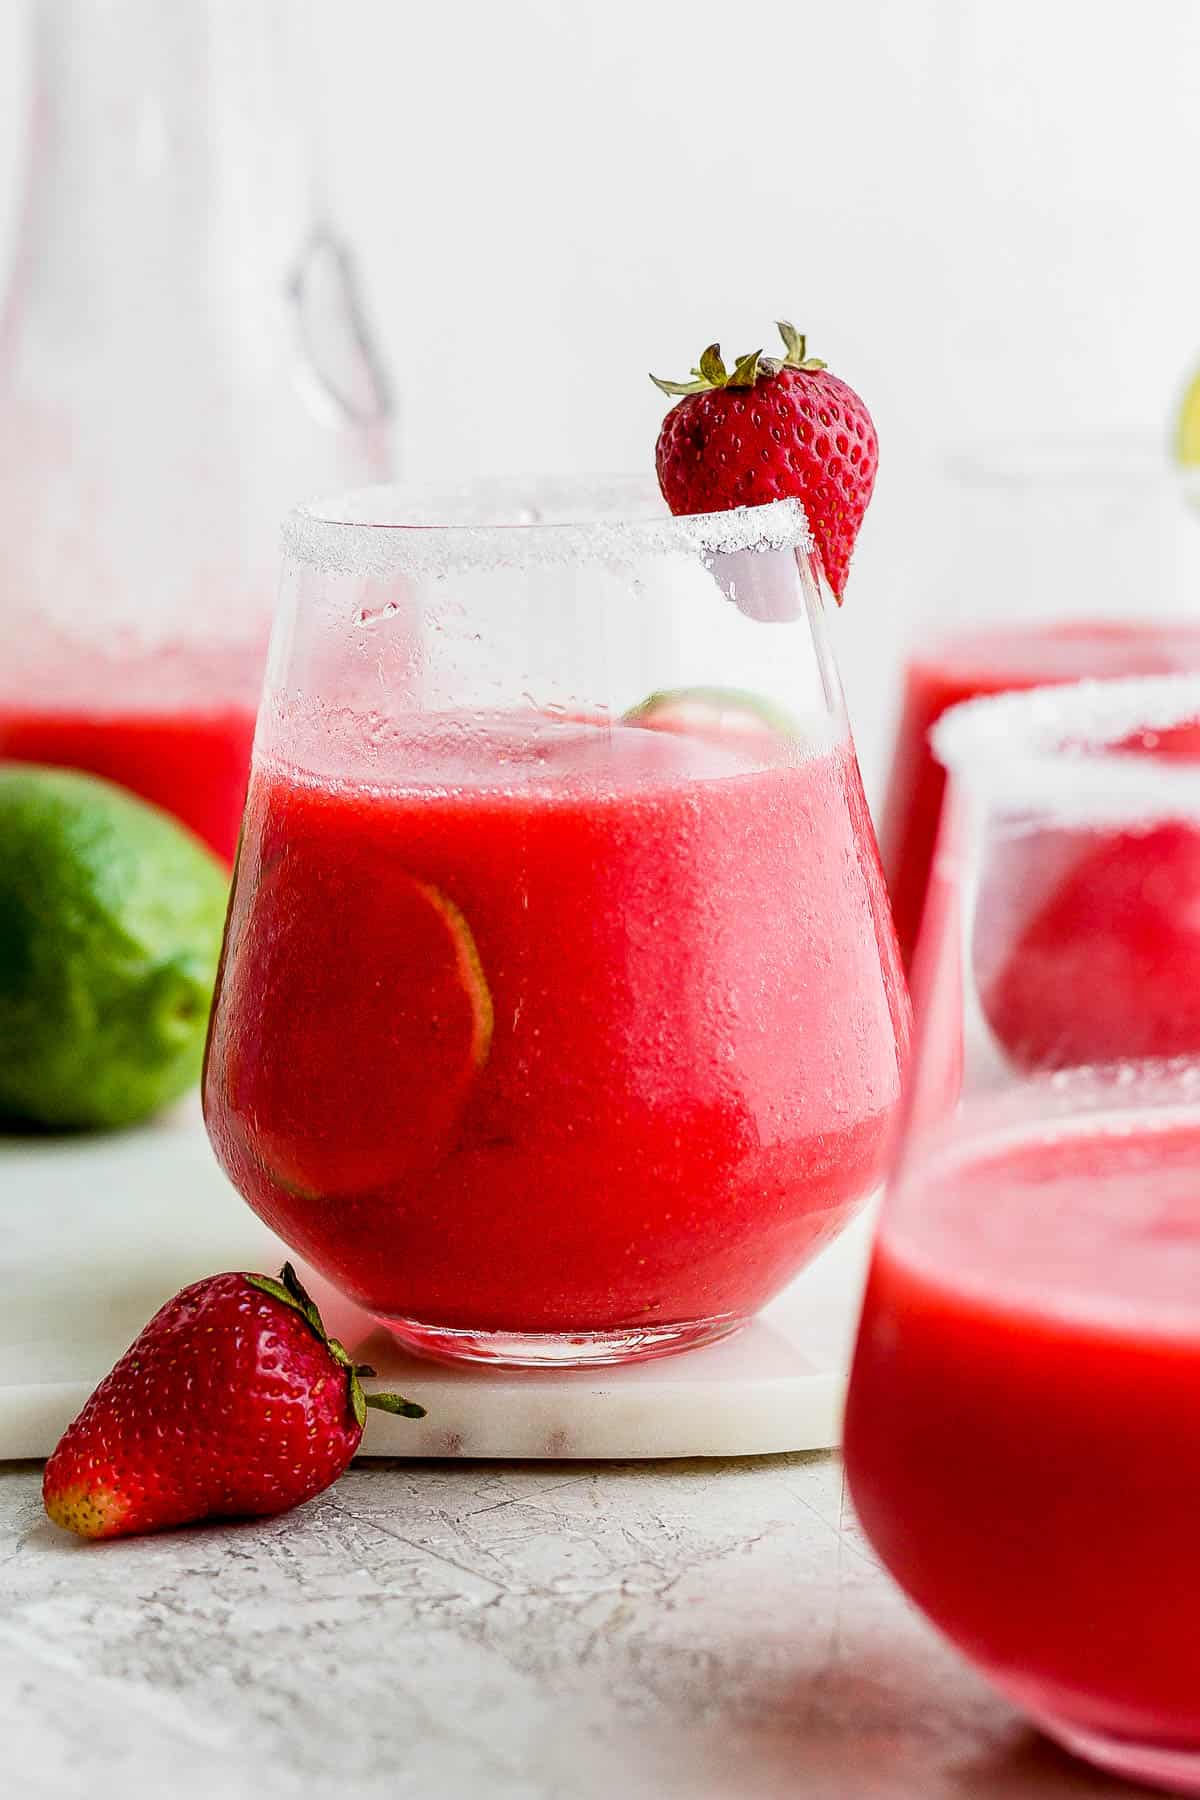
{"points": [[621, 519], [1038, 747]]}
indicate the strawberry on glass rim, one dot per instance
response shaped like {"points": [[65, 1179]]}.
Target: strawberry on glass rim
{"points": [[771, 428]]}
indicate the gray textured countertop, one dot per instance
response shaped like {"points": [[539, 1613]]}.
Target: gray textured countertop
{"points": [[718, 1631]]}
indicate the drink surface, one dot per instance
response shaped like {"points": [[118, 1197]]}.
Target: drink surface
{"points": [[192, 763], [1020, 1434], [991, 662], [562, 1026]]}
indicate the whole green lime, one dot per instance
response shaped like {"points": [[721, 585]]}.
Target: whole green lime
{"points": [[110, 929]]}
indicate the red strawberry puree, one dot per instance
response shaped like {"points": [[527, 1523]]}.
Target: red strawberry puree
{"points": [[1020, 1437], [566, 1028]]}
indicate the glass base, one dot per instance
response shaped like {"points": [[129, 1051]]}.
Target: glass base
{"points": [[558, 1350], [1172, 1770]]}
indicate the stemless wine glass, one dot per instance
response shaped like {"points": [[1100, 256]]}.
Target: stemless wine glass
{"points": [[1021, 1436], [560, 1017]]}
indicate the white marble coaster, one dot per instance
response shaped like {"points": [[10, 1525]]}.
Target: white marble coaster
{"points": [[96, 1232]]}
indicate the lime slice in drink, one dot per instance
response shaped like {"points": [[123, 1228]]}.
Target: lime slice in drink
{"points": [[347, 1047], [706, 711]]}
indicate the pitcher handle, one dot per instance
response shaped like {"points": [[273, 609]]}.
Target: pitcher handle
{"points": [[335, 344]]}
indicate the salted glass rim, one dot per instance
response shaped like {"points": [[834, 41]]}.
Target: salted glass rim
{"points": [[1054, 747], [427, 529]]}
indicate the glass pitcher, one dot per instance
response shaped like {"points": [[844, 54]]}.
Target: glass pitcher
{"points": [[182, 351]]}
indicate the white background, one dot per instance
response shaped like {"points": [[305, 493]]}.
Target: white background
{"points": [[983, 212]]}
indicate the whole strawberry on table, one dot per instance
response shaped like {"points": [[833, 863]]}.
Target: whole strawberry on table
{"points": [[771, 428], [234, 1402]]}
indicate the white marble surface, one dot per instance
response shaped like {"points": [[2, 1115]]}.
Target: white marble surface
{"points": [[99, 1231], [681, 1631]]}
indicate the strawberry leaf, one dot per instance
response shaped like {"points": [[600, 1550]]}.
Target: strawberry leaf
{"points": [[291, 1292], [303, 1300], [674, 388], [388, 1403], [395, 1403], [358, 1401], [712, 373], [794, 342], [712, 368], [266, 1285], [745, 370]]}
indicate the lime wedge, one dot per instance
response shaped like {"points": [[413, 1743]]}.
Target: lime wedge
{"points": [[406, 989], [1187, 427], [708, 710]]}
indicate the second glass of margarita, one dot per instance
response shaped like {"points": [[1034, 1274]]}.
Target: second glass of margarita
{"points": [[1021, 1436], [560, 1017]]}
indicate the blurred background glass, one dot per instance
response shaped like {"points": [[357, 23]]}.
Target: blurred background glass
{"points": [[182, 352], [1062, 558], [1016, 1435]]}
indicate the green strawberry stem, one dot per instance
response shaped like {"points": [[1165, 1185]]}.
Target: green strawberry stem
{"points": [[395, 1403], [290, 1291], [711, 372]]}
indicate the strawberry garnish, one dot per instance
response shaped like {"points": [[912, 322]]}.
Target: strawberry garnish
{"points": [[771, 429], [1105, 968], [234, 1402]]}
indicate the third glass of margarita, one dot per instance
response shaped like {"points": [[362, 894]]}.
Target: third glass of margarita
{"points": [[1020, 1435]]}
